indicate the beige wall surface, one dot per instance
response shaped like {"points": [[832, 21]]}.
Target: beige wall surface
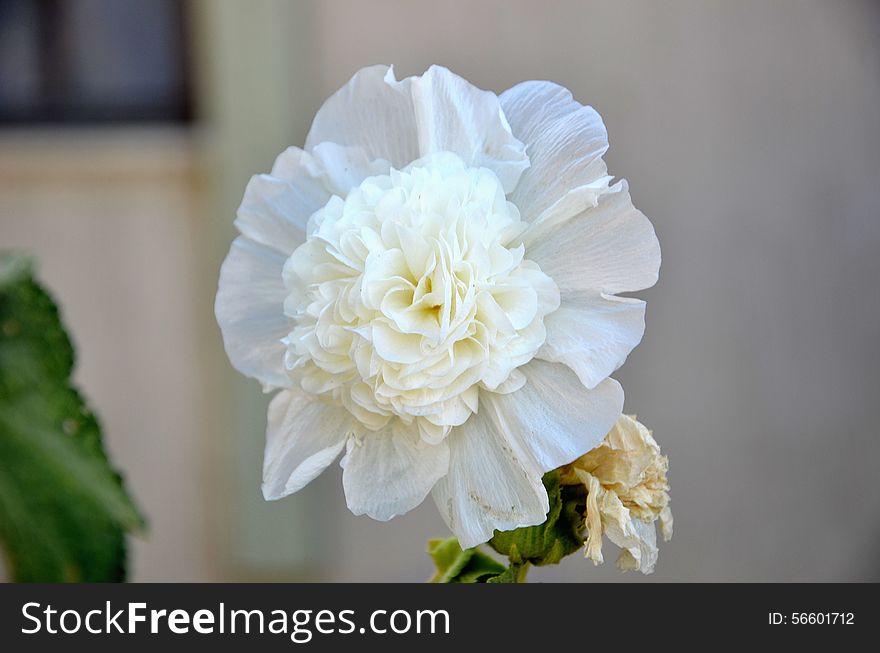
{"points": [[113, 221], [749, 133]]}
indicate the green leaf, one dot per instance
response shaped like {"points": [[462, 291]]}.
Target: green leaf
{"points": [[455, 565], [64, 511], [559, 536]]}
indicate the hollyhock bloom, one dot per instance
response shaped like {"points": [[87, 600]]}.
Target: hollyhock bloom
{"points": [[430, 283], [627, 491]]}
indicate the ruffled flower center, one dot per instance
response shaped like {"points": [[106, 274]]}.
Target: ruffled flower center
{"points": [[412, 293]]}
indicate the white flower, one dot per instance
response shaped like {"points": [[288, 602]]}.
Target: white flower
{"points": [[412, 294], [627, 491], [431, 284]]}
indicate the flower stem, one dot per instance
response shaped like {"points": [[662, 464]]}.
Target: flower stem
{"points": [[520, 571], [515, 573]]}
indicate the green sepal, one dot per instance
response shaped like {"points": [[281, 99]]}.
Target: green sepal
{"points": [[455, 565], [515, 573], [560, 535], [64, 511]]}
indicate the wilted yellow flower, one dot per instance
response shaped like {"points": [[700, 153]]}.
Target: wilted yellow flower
{"points": [[627, 492]]}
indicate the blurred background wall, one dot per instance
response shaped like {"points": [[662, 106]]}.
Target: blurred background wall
{"points": [[749, 133]]}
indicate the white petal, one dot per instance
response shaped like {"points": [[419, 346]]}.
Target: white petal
{"points": [[303, 436], [276, 207], [274, 213], [569, 205], [250, 311], [300, 184], [401, 121], [565, 142], [553, 416], [593, 334], [493, 483], [373, 111], [455, 116], [611, 248], [344, 168], [389, 472]]}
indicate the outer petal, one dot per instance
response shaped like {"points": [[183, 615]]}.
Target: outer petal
{"points": [[455, 116], [565, 142], [593, 334], [344, 168], [373, 111], [389, 472], [274, 213], [300, 168], [553, 416], [401, 121], [303, 436], [493, 483], [611, 248], [249, 310], [276, 207]]}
